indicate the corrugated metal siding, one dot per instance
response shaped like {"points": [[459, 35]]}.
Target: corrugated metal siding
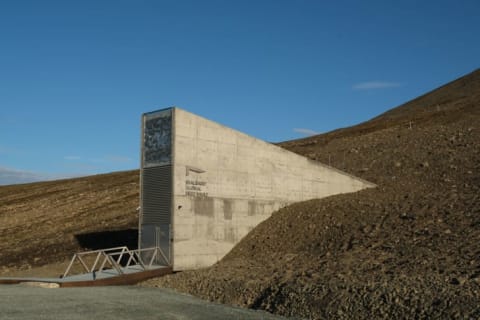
{"points": [[157, 195]]}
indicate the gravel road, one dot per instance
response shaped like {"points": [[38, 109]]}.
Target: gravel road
{"points": [[24, 302]]}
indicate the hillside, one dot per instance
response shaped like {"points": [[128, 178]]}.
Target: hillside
{"points": [[407, 249], [46, 222]]}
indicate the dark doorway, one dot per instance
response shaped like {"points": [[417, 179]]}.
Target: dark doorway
{"points": [[108, 239]]}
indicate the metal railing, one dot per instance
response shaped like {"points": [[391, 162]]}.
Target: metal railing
{"points": [[115, 258]]}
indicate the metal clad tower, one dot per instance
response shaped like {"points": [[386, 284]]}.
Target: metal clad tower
{"points": [[156, 183]]}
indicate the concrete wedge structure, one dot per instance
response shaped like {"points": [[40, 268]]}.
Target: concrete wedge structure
{"points": [[204, 186]]}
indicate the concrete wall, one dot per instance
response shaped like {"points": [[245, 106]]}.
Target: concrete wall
{"points": [[226, 182]]}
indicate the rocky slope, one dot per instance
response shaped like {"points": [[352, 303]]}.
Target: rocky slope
{"points": [[407, 249]]}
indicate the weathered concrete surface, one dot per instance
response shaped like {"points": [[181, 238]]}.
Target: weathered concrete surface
{"points": [[226, 182], [205, 186], [23, 302]]}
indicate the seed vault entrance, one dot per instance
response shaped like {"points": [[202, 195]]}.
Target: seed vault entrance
{"points": [[204, 186]]}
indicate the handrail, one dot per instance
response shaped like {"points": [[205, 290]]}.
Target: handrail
{"points": [[114, 256]]}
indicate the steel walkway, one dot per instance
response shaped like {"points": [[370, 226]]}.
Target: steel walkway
{"points": [[114, 266]]}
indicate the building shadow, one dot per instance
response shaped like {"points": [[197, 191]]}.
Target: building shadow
{"points": [[108, 239]]}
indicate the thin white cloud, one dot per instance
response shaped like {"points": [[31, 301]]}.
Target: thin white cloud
{"points": [[72, 158], [82, 167], [374, 85], [15, 176], [307, 132], [118, 159], [111, 159]]}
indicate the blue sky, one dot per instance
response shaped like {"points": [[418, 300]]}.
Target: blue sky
{"points": [[75, 76]]}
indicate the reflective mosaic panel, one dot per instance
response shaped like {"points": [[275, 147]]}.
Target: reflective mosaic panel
{"points": [[157, 144]]}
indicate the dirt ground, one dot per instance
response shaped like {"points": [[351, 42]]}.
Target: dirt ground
{"points": [[406, 249], [45, 223]]}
